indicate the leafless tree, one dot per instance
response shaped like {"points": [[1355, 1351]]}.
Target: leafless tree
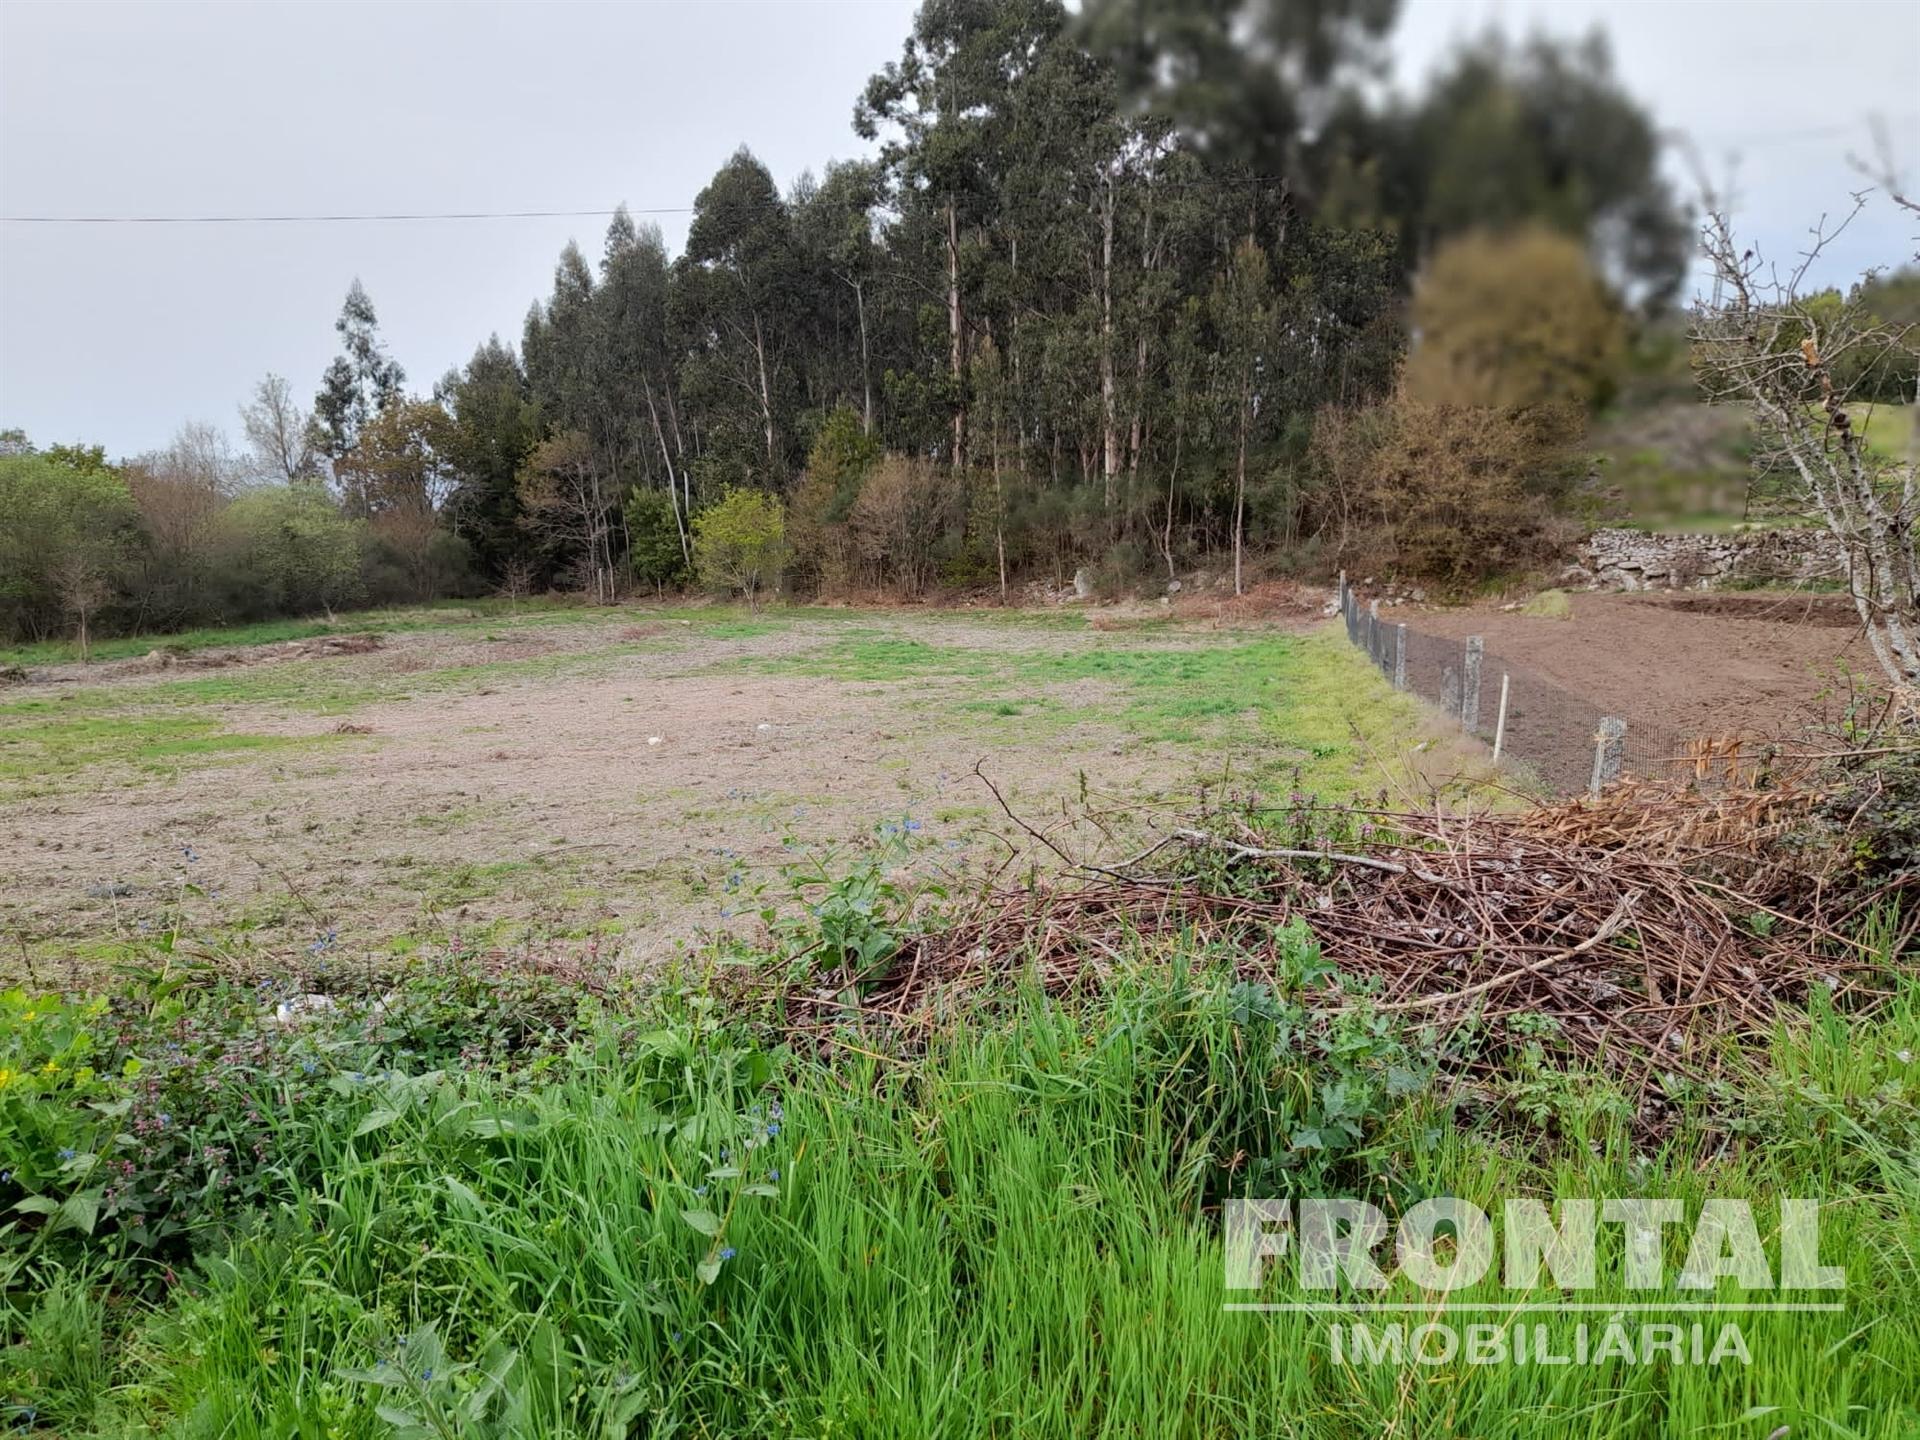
{"points": [[277, 430], [82, 585], [904, 508], [566, 498], [1769, 345], [1883, 170], [199, 455], [180, 492], [516, 582]]}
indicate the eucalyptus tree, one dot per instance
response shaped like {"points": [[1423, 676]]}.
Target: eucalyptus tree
{"points": [[735, 291], [495, 425], [944, 109], [639, 364], [359, 383], [834, 227]]}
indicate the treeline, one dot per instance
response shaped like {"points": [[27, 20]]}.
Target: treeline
{"points": [[1126, 292]]}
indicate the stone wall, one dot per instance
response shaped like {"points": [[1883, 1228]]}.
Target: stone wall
{"points": [[1636, 560]]}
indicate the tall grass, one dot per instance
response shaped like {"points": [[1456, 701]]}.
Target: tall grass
{"points": [[672, 1231]]}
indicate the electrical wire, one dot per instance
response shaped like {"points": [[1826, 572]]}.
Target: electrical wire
{"points": [[330, 219]]}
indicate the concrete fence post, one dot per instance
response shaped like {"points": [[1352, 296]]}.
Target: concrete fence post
{"points": [[1609, 750], [1373, 631], [1400, 656], [1470, 684], [1500, 725]]}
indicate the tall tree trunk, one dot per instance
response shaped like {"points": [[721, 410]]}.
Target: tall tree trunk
{"points": [[1013, 353], [956, 334], [766, 391], [999, 508], [1240, 487], [1109, 421], [673, 424], [866, 364], [1136, 429], [679, 520], [1173, 479]]}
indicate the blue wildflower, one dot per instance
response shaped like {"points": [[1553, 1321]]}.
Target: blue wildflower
{"points": [[773, 1176], [68, 1153], [727, 1252]]}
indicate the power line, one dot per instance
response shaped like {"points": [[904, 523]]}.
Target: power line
{"points": [[331, 219]]}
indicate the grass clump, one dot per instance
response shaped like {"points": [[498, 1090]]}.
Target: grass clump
{"points": [[1549, 605]]}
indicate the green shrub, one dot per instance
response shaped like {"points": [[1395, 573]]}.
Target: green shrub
{"points": [[740, 543]]}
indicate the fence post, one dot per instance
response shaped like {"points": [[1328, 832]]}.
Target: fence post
{"points": [[1400, 656], [1500, 724], [1609, 748], [1470, 685], [1373, 632]]}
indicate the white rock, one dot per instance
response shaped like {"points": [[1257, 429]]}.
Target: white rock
{"points": [[292, 1012], [653, 739]]}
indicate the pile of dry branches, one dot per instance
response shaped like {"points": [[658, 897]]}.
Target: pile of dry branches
{"points": [[1652, 927]]}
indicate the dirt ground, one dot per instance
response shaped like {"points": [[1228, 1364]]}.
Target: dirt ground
{"points": [[1689, 674], [585, 784], [629, 781], [1752, 664]]}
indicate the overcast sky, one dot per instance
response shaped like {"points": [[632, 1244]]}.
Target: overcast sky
{"points": [[118, 333]]}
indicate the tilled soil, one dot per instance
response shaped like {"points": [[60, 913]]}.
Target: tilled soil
{"points": [[1683, 671], [1754, 664]]}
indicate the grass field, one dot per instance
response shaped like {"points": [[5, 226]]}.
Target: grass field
{"points": [[548, 1165], [570, 776]]}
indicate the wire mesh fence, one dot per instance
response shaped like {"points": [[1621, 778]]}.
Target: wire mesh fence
{"points": [[1564, 741]]}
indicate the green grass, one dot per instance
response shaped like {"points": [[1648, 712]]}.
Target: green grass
{"points": [[1015, 1235], [398, 620], [1307, 709], [1887, 429], [1549, 605], [41, 749]]}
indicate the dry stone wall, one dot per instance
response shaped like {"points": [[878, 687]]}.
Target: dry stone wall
{"points": [[1637, 560]]}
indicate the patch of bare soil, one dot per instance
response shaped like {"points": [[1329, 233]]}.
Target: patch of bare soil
{"points": [[649, 797], [1723, 664]]}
